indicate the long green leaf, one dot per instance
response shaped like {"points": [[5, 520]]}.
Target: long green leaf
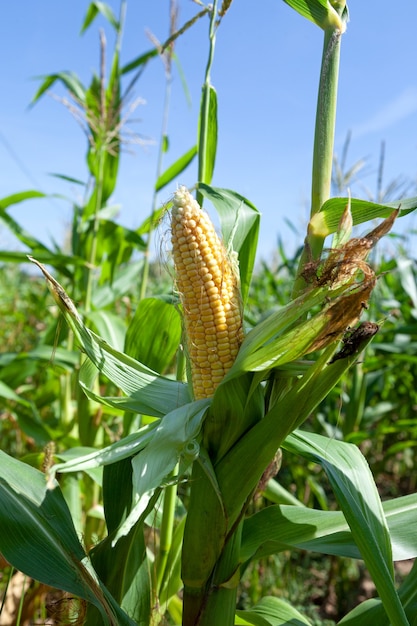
{"points": [[156, 395], [207, 143], [278, 528], [68, 79], [326, 221], [175, 169], [358, 497], [118, 451], [319, 12], [37, 536]]}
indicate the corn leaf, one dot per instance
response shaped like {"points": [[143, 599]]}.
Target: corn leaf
{"points": [[29, 421], [279, 528], [109, 326], [173, 437], [240, 221], [175, 169], [320, 12], [355, 489], [237, 478], [271, 611], [140, 61], [154, 394], [154, 334], [37, 536], [94, 8], [116, 452], [172, 582], [129, 583], [266, 345], [207, 134], [68, 79], [326, 221]]}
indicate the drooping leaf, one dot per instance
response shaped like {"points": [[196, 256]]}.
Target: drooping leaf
{"points": [[114, 453], [326, 221], [68, 79], [37, 536], [154, 394], [278, 528], [356, 492]]}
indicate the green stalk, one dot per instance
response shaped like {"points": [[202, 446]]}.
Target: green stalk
{"points": [[220, 604], [166, 531], [357, 397], [205, 167], [96, 226], [323, 142], [168, 509]]}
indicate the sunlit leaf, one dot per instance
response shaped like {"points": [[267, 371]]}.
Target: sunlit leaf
{"points": [[326, 221], [356, 492], [175, 169]]}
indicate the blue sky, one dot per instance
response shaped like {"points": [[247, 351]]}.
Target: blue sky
{"points": [[265, 72]]}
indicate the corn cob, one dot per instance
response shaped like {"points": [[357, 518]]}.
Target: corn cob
{"points": [[208, 287]]}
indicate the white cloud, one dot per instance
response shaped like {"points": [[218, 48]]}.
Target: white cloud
{"points": [[394, 111]]}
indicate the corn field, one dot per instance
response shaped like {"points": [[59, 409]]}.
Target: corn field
{"points": [[213, 440]]}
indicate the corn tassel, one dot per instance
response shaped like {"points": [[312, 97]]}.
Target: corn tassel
{"points": [[208, 287]]}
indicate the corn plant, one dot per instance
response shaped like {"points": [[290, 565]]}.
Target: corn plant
{"points": [[177, 488]]}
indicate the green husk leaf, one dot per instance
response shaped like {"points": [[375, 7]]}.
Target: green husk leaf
{"points": [[240, 221], [173, 434]]}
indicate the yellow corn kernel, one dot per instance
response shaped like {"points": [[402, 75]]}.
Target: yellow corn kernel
{"points": [[208, 286]]}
